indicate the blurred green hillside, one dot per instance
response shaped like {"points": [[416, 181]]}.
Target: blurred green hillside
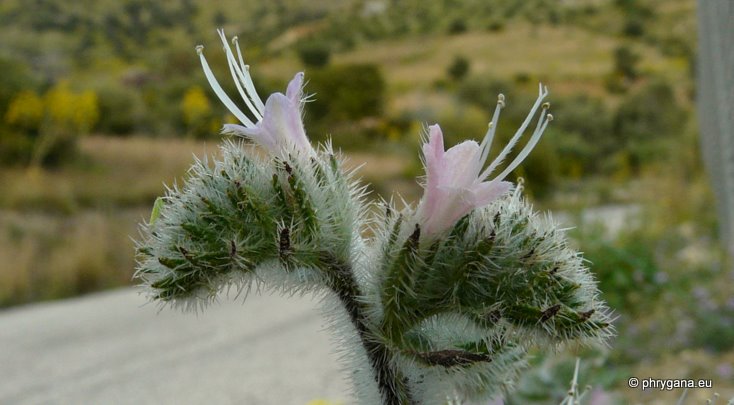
{"points": [[137, 56], [101, 102], [379, 71]]}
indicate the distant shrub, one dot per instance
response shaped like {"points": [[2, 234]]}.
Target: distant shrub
{"points": [[460, 122], [16, 77], [457, 26], [351, 115], [15, 148], [219, 19], [624, 70], [355, 92], [482, 91], [68, 115], [626, 269], [625, 62], [496, 26], [521, 78], [576, 155], [195, 105], [44, 130], [458, 69], [71, 112], [121, 109], [540, 170], [584, 128], [714, 326], [647, 117], [633, 27], [161, 115], [314, 54], [634, 8], [677, 46], [196, 111], [615, 83], [587, 116], [25, 112], [554, 17], [22, 122]]}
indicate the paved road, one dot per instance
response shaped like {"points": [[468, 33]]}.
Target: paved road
{"points": [[111, 348]]}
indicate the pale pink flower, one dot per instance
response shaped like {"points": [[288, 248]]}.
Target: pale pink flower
{"points": [[278, 122], [455, 183]]}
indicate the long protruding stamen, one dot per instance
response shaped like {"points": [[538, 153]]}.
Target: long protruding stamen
{"points": [[539, 129], [237, 82], [542, 93], [489, 136], [231, 106], [249, 85], [238, 75]]}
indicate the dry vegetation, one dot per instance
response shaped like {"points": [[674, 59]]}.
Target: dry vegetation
{"points": [[68, 231], [112, 172], [48, 256]]}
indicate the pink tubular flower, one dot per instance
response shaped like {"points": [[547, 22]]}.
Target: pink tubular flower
{"points": [[278, 125], [455, 183]]}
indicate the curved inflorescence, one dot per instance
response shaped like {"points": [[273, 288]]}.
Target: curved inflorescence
{"points": [[443, 301]]}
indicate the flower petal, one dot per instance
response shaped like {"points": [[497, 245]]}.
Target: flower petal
{"points": [[234, 129], [453, 204], [282, 122], [454, 178], [295, 88], [433, 149], [256, 134], [281, 126], [460, 163], [486, 192]]}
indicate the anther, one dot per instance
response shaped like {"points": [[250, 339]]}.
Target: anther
{"points": [[501, 100], [549, 117], [199, 49], [546, 105]]}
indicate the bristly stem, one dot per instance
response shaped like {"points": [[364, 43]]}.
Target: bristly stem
{"points": [[393, 387]]}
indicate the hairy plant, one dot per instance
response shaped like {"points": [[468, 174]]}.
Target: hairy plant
{"points": [[442, 303]]}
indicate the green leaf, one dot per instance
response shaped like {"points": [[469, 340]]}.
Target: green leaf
{"points": [[156, 210]]}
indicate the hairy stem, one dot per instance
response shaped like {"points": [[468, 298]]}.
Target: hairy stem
{"points": [[393, 387]]}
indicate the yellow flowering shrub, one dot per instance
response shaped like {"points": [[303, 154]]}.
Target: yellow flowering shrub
{"points": [[195, 107], [25, 111], [69, 112]]}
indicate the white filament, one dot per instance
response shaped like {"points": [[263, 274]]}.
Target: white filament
{"points": [[240, 77], [489, 136], [540, 127], [231, 106], [249, 85]]}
